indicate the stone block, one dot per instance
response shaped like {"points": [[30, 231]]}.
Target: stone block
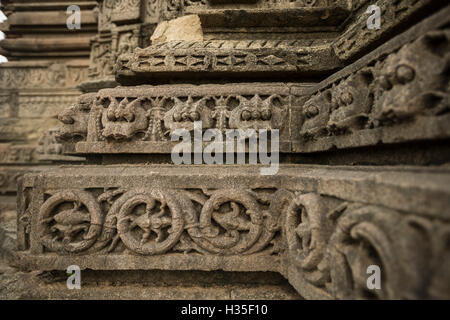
{"points": [[233, 219]]}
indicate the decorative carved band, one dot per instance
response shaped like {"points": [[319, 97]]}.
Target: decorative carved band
{"points": [[208, 57], [322, 230], [52, 76], [154, 221], [396, 97], [386, 97], [117, 118]]}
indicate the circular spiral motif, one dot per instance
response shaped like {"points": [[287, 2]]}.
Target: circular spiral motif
{"points": [[306, 235], [231, 222], [363, 237], [70, 221], [149, 222]]}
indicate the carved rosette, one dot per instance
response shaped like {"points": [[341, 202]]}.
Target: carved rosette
{"points": [[231, 222], [364, 237], [148, 222]]}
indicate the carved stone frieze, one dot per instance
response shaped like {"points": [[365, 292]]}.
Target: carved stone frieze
{"points": [[320, 235], [332, 244], [359, 106], [119, 118], [152, 222], [358, 37], [105, 49], [181, 58], [336, 90], [54, 75], [383, 98]]}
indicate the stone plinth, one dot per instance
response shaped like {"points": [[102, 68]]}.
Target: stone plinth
{"points": [[232, 218]]}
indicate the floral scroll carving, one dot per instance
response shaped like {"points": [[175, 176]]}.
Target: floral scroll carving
{"points": [[332, 243], [153, 222]]}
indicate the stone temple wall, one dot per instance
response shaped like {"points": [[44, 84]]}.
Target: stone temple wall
{"points": [[363, 178], [46, 64]]}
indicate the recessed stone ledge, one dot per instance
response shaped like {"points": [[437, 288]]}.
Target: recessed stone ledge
{"points": [[173, 262], [277, 17]]}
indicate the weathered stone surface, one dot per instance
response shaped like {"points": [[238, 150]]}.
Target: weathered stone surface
{"points": [[47, 61], [123, 26], [126, 218], [395, 16], [382, 200], [219, 59], [359, 106], [272, 17], [8, 229], [161, 110], [384, 98], [187, 28], [157, 285]]}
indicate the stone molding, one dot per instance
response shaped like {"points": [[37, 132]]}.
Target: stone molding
{"points": [[356, 107], [321, 229]]}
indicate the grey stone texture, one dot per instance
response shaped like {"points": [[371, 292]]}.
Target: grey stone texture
{"points": [[187, 28], [364, 126], [45, 65], [307, 223]]}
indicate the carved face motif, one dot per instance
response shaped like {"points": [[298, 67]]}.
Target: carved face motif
{"points": [[316, 113], [124, 118], [75, 120], [185, 113], [351, 102], [257, 113], [413, 81]]}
